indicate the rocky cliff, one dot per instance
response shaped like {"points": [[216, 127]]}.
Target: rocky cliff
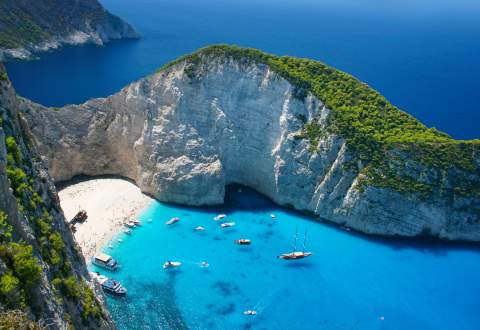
{"points": [[302, 133], [28, 27], [43, 276]]}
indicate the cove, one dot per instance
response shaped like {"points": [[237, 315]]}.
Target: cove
{"points": [[351, 282]]}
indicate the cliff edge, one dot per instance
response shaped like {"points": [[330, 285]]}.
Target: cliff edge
{"points": [[44, 281], [304, 134]]}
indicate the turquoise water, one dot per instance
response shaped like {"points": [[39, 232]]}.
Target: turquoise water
{"points": [[350, 282], [423, 55]]}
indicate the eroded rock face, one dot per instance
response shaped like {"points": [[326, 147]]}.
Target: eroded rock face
{"points": [[183, 136], [45, 302]]}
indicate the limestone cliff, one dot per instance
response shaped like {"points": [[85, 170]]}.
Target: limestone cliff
{"points": [[27, 27], [42, 272], [227, 115]]}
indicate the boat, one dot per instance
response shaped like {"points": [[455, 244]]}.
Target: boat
{"points": [[204, 264], [227, 224], [171, 264], [273, 216], [243, 241], [109, 285], [105, 261], [296, 254], [172, 221], [80, 217], [199, 228], [220, 217], [129, 224], [127, 231], [250, 312], [137, 222]]}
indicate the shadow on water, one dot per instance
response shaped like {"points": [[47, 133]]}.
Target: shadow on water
{"points": [[159, 306]]}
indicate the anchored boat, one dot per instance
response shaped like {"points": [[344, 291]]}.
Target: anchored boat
{"points": [[220, 217], [172, 221], [109, 285], [227, 224], [243, 241], [296, 254], [105, 261], [171, 264]]}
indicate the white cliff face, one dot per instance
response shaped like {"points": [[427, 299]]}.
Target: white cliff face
{"points": [[183, 137]]}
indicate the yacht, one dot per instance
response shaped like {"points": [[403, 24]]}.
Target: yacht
{"points": [[296, 254], [109, 285], [227, 224], [172, 221], [105, 261]]}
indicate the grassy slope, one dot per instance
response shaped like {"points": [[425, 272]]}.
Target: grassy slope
{"points": [[374, 129]]}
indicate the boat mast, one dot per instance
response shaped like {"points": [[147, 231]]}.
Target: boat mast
{"points": [[295, 241], [304, 241]]}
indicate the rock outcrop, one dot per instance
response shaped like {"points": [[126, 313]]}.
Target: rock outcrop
{"points": [[28, 27], [42, 271], [194, 127]]}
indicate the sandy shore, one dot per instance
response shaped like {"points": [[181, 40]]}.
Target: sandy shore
{"points": [[108, 202]]}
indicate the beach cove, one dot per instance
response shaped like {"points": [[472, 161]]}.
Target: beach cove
{"points": [[351, 280]]}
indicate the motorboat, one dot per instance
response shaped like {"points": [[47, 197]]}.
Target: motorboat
{"points": [[128, 231], [137, 222], [129, 224], [199, 228], [227, 224], [273, 216], [243, 241], [109, 285], [172, 221], [105, 261], [250, 312], [220, 217], [204, 264], [171, 264]]}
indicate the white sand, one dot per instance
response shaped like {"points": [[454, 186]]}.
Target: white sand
{"points": [[108, 202]]}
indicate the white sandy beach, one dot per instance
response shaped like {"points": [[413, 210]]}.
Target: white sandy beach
{"points": [[108, 202]]}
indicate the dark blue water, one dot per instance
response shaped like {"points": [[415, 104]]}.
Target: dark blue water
{"points": [[422, 54], [350, 282]]}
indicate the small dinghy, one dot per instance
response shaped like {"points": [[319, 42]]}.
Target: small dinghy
{"points": [[250, 312], [243, 241], [220, 217], [129, 224], [227, 224], [199, 228], [171, 264], [172, 221]]}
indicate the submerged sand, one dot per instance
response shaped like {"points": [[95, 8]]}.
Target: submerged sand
{"points": [[109, 202]]}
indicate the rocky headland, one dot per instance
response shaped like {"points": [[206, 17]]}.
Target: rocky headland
{"points": [[28, 27], [304, 134]]}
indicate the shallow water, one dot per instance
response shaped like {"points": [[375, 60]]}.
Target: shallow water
{"points": [[350, 282], [421, 54]]}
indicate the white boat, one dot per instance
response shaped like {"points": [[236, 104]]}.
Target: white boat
{"points": [[199, 228], [294, 255], [129, 224], [250, 312], [204, 264], [171, 264], [220, 217], [273, 216], [109, 285], [105, 261], [127, 231], [172, 221], [227, 224], [137, 222]]}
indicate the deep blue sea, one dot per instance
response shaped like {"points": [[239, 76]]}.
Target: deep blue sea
{"points": [[423, 55], [350, 282]]}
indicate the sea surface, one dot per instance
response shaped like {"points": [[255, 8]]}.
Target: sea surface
{"points": [[350, 282], [423, 55]]}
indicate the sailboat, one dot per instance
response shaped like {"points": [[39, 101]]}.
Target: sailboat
{"points": [[296, 254]]}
